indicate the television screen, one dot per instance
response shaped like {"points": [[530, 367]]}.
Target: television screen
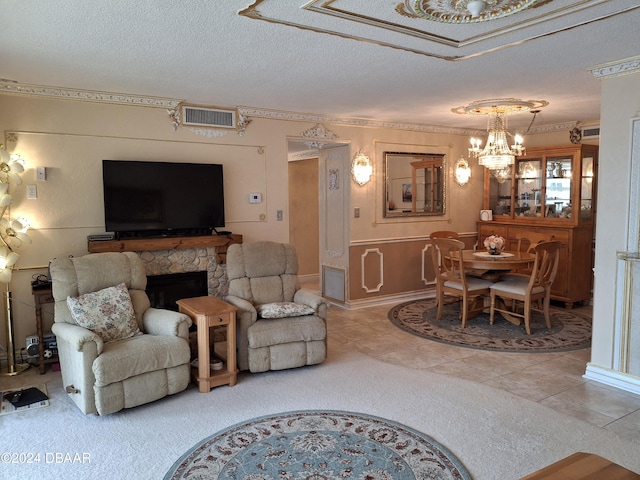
{"points": [[162, 198]]}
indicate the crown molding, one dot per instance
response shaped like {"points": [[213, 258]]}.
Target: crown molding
{"points": [[346, 121], [615, 69], [23, 89], [171, 104]]}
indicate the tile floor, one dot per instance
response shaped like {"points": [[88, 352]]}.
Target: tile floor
{"points": [[552, 379]]}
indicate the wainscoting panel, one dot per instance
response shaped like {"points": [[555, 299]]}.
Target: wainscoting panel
{"points": [[389, 268]]}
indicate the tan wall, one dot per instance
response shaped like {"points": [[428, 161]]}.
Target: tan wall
{"points": [[303, 219], [70, 138]]}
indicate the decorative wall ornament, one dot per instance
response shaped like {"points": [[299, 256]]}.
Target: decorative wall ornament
{"points": [[209, 132], [334, 183], [174, 116], [320, 135], [243, 123]]}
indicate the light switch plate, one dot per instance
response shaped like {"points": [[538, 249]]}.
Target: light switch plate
{"points": [[255, 197], [32, 192]]}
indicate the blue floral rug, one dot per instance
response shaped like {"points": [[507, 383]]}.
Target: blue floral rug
{"points": [[318, 445], [569, 330]]}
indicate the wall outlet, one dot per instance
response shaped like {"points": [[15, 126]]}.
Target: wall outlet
{"points": [[32, 192]]}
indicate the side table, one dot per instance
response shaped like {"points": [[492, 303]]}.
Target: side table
{"points": [[40, 297], [207, 312]]}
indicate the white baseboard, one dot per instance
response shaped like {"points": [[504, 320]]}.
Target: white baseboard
{"points": [[386, 300], [612, 378]]}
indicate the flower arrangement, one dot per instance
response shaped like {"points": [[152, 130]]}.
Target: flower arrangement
{"points": [[494, 244]]}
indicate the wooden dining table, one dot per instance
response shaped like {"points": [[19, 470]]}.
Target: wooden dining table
{"points": [[491, 267], [481, 263]]}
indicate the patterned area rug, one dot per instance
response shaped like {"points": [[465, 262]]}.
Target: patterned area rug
{"points": [[318, 445], [569, 330]]}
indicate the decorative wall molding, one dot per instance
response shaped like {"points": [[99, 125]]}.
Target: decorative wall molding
{"points": [[380, 272], [209, 132], [615, 69], [320, 136], [62, 93], [245, 114]]}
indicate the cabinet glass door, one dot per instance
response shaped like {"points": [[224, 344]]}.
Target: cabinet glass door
{"points": [[586, 197], [558, 188], [500, 192], [528, 200]]}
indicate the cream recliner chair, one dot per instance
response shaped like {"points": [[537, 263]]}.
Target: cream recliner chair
{"points": [[105, 377], [263, 282]]}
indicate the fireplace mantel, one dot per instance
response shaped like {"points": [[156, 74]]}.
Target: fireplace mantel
{"points": [[219, 242]]}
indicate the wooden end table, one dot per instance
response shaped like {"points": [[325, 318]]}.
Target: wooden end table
{"points": [[207, 312]]}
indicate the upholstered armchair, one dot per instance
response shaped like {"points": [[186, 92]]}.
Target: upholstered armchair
{"points": [[115, 350], [279, 325]]}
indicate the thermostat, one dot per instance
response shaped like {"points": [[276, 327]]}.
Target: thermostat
{"points": [[255, 197]]}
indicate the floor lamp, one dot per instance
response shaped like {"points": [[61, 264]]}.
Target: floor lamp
{"points": [[12, 235], [13, 368]]}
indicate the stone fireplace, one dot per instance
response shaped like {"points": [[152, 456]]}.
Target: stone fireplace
{"points": [[169, 256], [164, 263]]}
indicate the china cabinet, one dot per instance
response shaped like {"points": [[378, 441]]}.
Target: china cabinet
{"points": [[549, 194]]}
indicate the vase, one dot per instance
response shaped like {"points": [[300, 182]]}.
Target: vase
{"points": [[493, 251]]}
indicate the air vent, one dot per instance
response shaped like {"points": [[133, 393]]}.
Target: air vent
{"points": [[590, 132], [208, 117]]}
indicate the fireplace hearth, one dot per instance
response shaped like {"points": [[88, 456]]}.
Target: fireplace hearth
{"points": [[163, 290]]}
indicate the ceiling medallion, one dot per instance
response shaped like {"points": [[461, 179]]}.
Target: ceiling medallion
{"points": [[462, 11]]}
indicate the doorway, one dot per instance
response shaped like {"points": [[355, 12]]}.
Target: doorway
{"points": [[304, 230]]}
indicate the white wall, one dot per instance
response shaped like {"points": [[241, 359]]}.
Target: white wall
{"points": [[620, 102]]}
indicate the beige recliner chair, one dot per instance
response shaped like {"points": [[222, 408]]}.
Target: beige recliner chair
{"points": [[105, 376], [279, 325]]}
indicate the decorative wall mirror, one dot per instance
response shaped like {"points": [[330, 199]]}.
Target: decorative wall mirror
{"points": [[414, 184]]}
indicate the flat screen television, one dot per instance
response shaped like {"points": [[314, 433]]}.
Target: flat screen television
{"points": [[156, 199]]}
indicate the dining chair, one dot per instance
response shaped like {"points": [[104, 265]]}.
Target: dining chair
{"points": [[528, 289], [444, 234], [451, 277]]}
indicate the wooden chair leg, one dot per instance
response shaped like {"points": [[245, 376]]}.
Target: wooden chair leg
{"points": [[547, 317], [527, 316], [464, 310], [492, 309], [440, 296]]}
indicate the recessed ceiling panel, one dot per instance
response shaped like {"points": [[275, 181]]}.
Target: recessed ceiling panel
{"points": [[386, 23]]}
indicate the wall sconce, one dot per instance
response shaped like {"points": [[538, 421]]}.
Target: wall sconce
{"points": [[462, 172], [361, 169]]}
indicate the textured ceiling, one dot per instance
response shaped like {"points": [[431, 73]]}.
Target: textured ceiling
{"points": [[346, 58]]}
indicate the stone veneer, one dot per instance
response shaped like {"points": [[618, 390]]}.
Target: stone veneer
{"points": [[162, 262]]}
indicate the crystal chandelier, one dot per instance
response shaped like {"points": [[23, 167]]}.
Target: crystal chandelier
{"points": [[498, 154]]}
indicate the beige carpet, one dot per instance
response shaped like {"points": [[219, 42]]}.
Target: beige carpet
{"points": [[494, 434]]}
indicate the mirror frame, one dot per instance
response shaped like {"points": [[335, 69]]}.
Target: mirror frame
{"points": [[389, 158]]}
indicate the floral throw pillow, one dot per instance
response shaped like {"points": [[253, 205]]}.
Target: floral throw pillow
{"points": [[284, 309], [108, 313]]}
